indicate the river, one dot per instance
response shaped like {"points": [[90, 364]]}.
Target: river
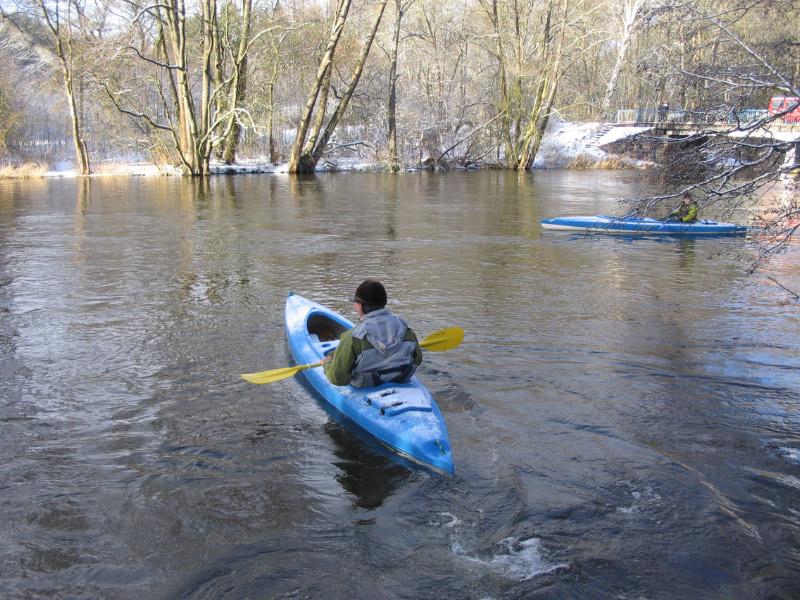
{"points": [[624, 413]]}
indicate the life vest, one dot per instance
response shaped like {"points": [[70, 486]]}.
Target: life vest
{"points": [[686, 210], [391, 358]]}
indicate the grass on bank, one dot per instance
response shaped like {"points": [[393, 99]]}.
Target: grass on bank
{"points": [[23, 171], [583, 162]]}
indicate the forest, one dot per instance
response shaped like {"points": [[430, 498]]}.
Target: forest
{"points": [[400, 82]]}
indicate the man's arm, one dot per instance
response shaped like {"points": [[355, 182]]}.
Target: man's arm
{"points": [[338, 369]]}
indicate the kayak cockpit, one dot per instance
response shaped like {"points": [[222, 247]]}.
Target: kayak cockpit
{"points": [[325, 328]]}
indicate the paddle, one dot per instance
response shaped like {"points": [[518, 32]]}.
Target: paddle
{"points": [[438, 341]]}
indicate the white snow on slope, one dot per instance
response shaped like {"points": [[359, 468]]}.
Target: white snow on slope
{"points": [[565, 142]]}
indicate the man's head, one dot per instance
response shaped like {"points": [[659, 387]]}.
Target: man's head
{"points": [[687, 198], [370, 295]]}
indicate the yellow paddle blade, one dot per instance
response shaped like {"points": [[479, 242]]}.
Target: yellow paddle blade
{"points": [[276, 374], [444, 339]]}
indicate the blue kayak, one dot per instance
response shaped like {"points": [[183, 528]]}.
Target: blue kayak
{"points": [[644, 225], [402, 416]]}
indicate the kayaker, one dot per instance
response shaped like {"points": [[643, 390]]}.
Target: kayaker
{"points": [[381, 348], [687, 211]]}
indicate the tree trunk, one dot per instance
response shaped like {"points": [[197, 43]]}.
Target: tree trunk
{"points": [[63, 45], [193, 138], [631, 10], [187, 125], [317, 152], [234, 132], [273, 79], [238, 89], [271, 123], [504, 107], [296, 165], [205, 132], [81, 153], [546, 92], [392, 106], [322, 106]]}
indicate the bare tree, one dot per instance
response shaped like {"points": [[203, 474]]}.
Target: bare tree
{"points": [[238, 87], [193, 126], [310, 144], [531, 62], [299, 160], [629, 13], [61, 27], [392, 102], [61, 20], [739, 159], [446, 77]]}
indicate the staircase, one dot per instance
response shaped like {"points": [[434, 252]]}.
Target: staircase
{"points": [[592, 140]]}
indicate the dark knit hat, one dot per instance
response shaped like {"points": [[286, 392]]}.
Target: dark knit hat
{"points": [[370, 294]]}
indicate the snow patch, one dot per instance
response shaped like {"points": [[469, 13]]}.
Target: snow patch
{"points": [[243, 167], [101, 170], [619, 133]]}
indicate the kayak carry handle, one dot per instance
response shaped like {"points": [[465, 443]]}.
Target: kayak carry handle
{"points": [[392, 405]]}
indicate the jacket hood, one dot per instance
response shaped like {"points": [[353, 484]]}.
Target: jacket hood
{"points": [[384, 330]]}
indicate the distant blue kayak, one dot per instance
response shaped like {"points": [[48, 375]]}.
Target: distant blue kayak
{"points": [[645, 225], [402, 416]]}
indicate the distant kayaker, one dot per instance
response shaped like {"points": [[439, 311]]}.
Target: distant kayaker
{"points": [[381, 348], [687, 211]]}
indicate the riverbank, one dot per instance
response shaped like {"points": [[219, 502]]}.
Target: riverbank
{"points": [[36, 170], [566, 145]]}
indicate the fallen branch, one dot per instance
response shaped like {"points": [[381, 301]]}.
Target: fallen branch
{"points": [[776, 282], [345, 145], [470, 134]]}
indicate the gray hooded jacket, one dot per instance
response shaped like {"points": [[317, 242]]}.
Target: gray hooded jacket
{"points": [[391, 357]]}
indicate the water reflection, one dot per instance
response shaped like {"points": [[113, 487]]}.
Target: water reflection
{"points": [[687, 253], [621, 399], [365, 473], [81, 211]]}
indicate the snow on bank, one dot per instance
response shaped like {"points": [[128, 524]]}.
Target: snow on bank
{"points": [[256, 166], [117, 168], [621, 132], [242, 167], [567, 143]]}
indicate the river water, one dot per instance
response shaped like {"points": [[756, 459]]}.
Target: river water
{"points": [[624, 413]]}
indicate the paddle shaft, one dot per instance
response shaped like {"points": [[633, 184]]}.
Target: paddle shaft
{"points": [[438, 341]]}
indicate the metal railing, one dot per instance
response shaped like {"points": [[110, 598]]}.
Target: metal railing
{"points": [[651, 116], [748, 115]]}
